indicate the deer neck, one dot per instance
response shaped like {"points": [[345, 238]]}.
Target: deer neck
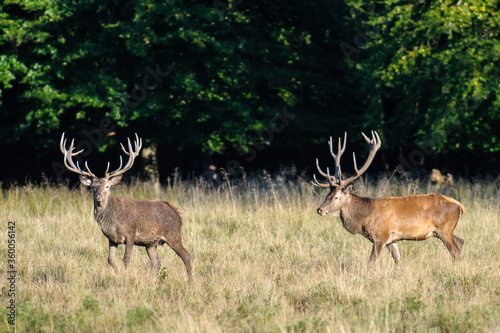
{"points": [[354, 214], [101, 207]]}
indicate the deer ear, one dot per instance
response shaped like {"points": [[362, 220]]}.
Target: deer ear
{"points": [[85, 180], [115, 180], [348, 189]]}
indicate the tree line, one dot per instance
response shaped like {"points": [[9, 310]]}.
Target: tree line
{"points": [[256, 83]]}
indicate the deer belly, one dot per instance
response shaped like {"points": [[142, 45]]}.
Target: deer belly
{"points": [[146, 238], [416, 231]]}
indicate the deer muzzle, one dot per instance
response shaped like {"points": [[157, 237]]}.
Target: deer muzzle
{"points": [[322, 211]]}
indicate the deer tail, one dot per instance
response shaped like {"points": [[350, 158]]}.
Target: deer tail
{"points": [[175, 209], [462, 208]]}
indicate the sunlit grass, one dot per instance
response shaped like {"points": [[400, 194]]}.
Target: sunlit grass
{"points": [[263, 261]]}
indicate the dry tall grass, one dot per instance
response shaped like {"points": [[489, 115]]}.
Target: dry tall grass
{"points": [[263, 261]]}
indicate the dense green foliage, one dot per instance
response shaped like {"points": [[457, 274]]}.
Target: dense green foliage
{"points": [[433, 68], [190, 74], [231, 75]]}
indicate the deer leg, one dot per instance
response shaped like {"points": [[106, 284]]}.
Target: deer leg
{"points": [[459, 242], [155, 259], [129, 245], [393, 248], [377, 247], [450, 245], [111, 256], [175, 244]]}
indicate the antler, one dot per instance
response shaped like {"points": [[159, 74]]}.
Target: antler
{"points": [[68, 159], [374, 144], [332, 180], [132, 154], [336, 180]]}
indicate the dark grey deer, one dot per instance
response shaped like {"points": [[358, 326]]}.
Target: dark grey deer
{"points": [[147, 223]]}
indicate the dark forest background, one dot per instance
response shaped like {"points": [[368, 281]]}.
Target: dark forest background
{"points": [[256, 84]]}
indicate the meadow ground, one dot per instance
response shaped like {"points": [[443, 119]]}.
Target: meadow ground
{"points": [[263, 261]]}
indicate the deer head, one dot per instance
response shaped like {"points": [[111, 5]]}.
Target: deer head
{"points": [[339, 187], [100, 186]]}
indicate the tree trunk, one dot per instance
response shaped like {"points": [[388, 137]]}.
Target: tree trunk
{"points": [[150, 162]]}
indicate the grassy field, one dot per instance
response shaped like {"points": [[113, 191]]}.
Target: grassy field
{"points": [[263, 261]]}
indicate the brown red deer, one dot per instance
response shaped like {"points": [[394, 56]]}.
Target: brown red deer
{"points": [[438, 178], [384, 221], [147, 223]]}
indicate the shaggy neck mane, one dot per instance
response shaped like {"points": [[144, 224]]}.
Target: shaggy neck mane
{"points": [[355, 213], [100, 212]]}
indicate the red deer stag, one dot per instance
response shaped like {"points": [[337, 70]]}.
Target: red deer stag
{"points": [[384, 221], [438, 178], [128, 221]]}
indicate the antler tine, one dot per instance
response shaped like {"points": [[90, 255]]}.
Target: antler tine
{"points": [[319, 169], [68, 158], [315, 182], [123, 148], [107, 167], [375, 144], [113, 172], [138, 143], [340, 150], [331, 179], [62, 146], [354, 160], [375, 139], [88, 169], [132, 154], [338, 156]]}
